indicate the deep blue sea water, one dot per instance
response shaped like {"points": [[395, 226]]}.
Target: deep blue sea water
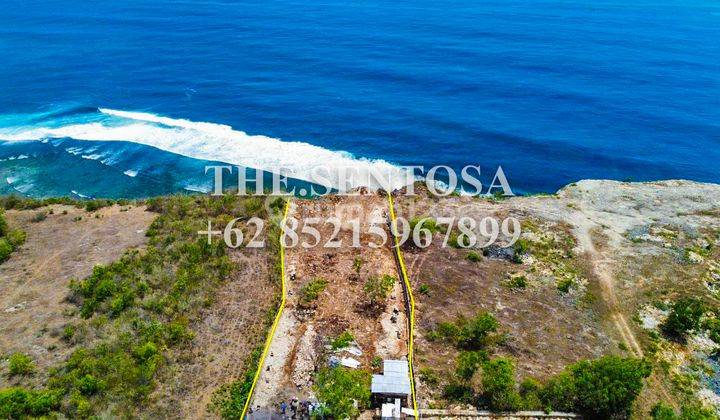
{"points": [[554, 91]]}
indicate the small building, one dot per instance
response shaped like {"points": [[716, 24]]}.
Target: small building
{"points": [[391, 390]]}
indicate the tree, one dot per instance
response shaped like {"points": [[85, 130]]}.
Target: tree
{"points": [[476, 331], [684, 316], [602, 388], [498, 381], [338, 388], [468, 362]]}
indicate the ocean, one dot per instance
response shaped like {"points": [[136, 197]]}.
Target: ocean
{"points": [[135, 98]]}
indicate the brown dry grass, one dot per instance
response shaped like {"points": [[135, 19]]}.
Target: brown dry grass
{"points": [[34, 281]]}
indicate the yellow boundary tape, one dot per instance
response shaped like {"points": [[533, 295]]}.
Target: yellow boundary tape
{"points": [[412, 304], [269, 338]]}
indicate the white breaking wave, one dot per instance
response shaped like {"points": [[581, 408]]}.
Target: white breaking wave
{"points": [[131, 173], [217, 142], [92, 157], [198, 188], [79, 195]]}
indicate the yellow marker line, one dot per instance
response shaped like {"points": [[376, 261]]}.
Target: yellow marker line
{"points": [[412, 303], [268, 341]]}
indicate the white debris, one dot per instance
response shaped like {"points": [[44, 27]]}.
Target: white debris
{"points": [[19, 307], [652, 317]]}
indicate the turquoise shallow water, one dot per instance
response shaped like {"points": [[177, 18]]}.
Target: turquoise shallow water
{"points": [[554, 91]]}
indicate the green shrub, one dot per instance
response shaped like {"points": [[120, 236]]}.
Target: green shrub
{"points": [[429, 377], [68, 332], [310, 292], [16, 238], [5, 249], [88, 385], [377, 288], [16, 403], [3, 225], [663, 411], [20, 364], [357, 264], [530, 394], [454, 240], [498, 380], [470, 334], [712, 325], [684, 316], [459, 392], [476, 331], [424, 289], [474, 256], [39, 217], [427, 223], [602, 388], [468, 362], [517, 282], [340, 388], [564, 285], [342, 341], [520, 248], [229, 401], [697, 412]]}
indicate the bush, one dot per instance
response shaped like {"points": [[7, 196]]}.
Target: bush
{"points": [[377, 288], [468, 362], [530, 394], [310, 292], [517, 282], [338, 388], [20, 364], [476, 331], [663, 411], [424, 289], [230, 400], [3, 225], [564, 285], [459, 392], [18, 403], [474, 256], [16, 238], [520, 248], [5, 249], [470, 334], [342, 341], [39, 217], [498, 380], [602, 388], [684, 316], [429, 377], [697, 412]]}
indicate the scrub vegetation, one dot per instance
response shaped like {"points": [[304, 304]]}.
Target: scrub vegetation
{"points": [[136, 311]]}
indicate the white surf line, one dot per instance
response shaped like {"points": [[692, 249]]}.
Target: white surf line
{"points": [[218, 142]]}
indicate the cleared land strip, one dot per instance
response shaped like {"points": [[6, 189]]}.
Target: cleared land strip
{"points": [[409, 294]]}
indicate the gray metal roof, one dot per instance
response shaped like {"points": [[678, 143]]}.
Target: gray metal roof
{"points": [[394, 380]]}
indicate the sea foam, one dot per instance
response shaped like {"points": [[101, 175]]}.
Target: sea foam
{"points": [[217, 142]]}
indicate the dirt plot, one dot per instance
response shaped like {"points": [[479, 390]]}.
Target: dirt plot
{"points": [[545, 329], [300, 345], [226, 333], [34, 282]]}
